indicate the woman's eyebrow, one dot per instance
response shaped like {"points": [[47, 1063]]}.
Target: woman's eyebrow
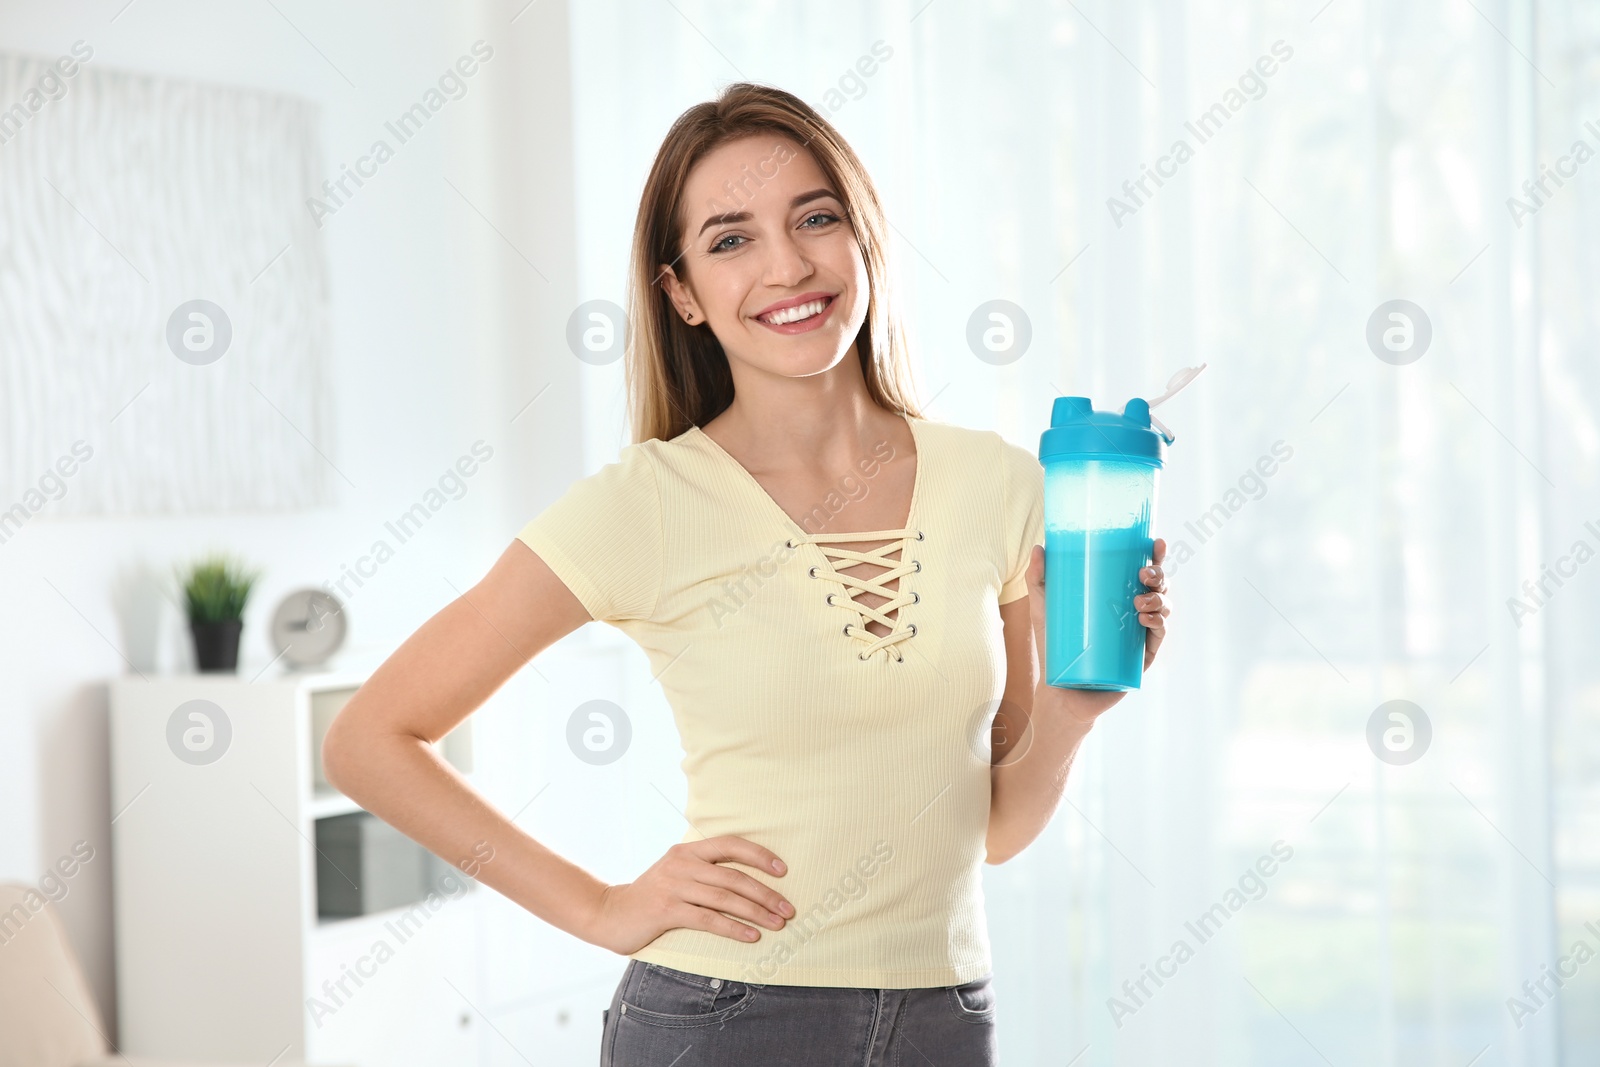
{"points": [[744, 216]]}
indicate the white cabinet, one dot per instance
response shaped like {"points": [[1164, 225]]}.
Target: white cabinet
{"points": [[216, 792]]}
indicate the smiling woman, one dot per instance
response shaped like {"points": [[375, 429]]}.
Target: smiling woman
{"points": [[822, 194], [766, 357], [827, 707]]}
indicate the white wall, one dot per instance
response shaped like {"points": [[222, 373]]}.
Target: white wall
{"points": [[440, 332]]}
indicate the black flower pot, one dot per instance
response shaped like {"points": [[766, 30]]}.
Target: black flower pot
{"points": [[216, 644]]}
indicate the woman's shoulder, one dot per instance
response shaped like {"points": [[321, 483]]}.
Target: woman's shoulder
{"points": [[653, 451], [672, 453], [967, 445]]}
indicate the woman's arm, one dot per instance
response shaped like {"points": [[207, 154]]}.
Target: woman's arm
{"points": [[1032, 754], [379, 752], [1039, 727]]}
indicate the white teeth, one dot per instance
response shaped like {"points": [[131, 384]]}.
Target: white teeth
{"points": [[794, 314]]}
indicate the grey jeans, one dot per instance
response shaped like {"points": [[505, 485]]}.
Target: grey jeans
{"points": [[660, 1016]]}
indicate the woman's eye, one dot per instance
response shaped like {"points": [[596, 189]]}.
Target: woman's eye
{"points": [[826, 218]]}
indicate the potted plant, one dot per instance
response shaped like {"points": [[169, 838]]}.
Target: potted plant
{"points": [[215, 589]]}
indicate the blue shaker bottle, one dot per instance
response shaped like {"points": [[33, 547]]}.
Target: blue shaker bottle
{"points": [[1100, 475]]}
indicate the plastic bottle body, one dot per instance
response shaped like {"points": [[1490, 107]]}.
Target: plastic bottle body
{"points": [[1097, 512]]}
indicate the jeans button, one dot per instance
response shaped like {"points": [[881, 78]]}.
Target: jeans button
{"points": [[716, 983]]}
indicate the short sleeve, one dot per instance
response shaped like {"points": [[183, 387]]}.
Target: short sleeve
{"points": [[603, 538], [1022, 481]]}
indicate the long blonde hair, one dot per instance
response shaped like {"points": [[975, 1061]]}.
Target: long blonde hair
{"points": [[677, 374]]}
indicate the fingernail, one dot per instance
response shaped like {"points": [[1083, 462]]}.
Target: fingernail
{"points": [[786, 908], [777, 865]]}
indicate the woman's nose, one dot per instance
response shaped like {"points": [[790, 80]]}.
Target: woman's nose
{"points": [[786, 263]]}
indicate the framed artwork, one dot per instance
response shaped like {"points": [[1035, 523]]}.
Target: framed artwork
{"points": [[163, 296]]}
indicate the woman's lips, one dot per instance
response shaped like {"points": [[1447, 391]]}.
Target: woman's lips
{"points": [[804, 325]]}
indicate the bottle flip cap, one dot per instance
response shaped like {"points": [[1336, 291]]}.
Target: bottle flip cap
{"points": [[1076, 428]]}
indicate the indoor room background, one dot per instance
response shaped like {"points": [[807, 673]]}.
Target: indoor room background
{"points": [[1373, 223]]}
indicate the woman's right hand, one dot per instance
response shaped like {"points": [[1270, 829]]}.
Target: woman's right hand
{"points": [[689, 887]]}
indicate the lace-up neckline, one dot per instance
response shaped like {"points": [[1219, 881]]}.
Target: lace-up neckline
{"points": [[894, 598], [889, 613]]}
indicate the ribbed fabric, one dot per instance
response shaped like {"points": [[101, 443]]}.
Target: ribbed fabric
{"points": [[868, 777]]}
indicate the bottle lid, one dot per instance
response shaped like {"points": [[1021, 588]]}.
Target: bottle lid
{"points": [[1077, 429]]}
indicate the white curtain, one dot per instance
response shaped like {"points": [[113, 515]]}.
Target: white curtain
{"points": [[1353, 530]]}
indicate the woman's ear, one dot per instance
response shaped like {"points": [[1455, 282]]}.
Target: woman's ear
{"points": [[680, 296]]}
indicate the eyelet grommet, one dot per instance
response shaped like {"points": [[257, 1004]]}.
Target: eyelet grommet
{"points": [[919, 535], [847, 629], [812, 572], [913, 629], [861, 655], [918, 562], [830, 600], [790, 543], [916, 598]]}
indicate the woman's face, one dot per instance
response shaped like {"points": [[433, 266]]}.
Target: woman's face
{"points": [[764, 232]]}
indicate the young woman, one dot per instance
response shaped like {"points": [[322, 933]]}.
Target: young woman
{"points": [[843, 603]]}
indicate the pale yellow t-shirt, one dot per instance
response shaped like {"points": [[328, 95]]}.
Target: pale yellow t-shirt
{"points": [[861, 760]]}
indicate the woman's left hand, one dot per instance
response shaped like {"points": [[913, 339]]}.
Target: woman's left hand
{"points": [[1152, 606]]}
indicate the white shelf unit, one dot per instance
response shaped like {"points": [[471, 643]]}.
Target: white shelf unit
{"points": [[220, 953]]}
